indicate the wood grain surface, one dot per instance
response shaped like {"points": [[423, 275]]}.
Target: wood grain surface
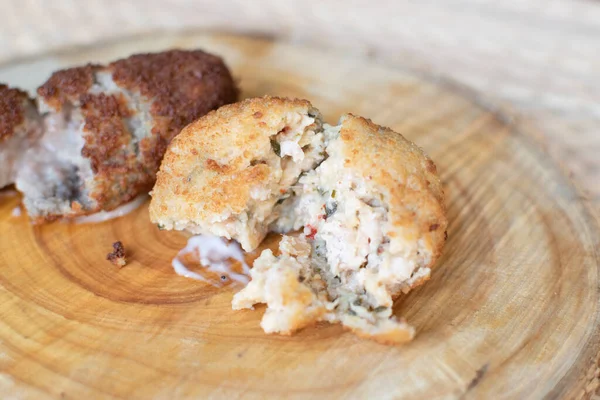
{"points": [[511, 310]]}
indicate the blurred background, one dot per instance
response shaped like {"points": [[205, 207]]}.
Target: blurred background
{"points": [[536, 60]]}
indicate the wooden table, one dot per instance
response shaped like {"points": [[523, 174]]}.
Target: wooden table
{"points": [[535, 63]]}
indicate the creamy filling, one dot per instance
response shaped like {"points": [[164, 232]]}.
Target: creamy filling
{"points": [[347, 221], [353, 268], [55, 172], [10, 151], [299, 290]]}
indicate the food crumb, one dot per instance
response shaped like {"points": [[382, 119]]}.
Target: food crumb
{"points": [[117, 257]]}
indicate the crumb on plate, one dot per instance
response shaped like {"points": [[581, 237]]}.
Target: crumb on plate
{"points": [[117, 256]]}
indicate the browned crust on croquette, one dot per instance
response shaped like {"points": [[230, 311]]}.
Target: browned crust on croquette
{"points": [[67, 85], [12, 110], [104, 116], [177, 86], [108, 146], [210, 162], [117, 256], [183, 85], [405, 175]]}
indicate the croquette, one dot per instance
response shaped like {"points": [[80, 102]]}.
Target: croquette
{"points": [[106, 128], [360, 207]]}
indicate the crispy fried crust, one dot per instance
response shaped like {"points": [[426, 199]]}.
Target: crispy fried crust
{"points": [[108, 143], [12, 110], [176, 86], [67, 85], [183, 86], [208, 169], [405, 175]]}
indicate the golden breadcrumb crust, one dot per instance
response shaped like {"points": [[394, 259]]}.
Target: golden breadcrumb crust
{"points": [[405, 175], [209, 169]]}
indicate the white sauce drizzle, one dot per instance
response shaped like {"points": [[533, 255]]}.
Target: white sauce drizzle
{"points": [[16, 212], [116, 213], [214, 254]]}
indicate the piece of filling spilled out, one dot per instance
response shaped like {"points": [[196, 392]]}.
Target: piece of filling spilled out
{"points": [[342, 267]]}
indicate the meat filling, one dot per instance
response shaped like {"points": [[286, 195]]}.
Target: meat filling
{"points": [[348, 268]]}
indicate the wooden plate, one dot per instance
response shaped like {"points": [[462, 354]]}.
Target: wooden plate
{"points": [[511, 310]]}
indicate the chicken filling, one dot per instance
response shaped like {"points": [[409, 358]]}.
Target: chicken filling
{"points": [[348, 263], [297, 146]]}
